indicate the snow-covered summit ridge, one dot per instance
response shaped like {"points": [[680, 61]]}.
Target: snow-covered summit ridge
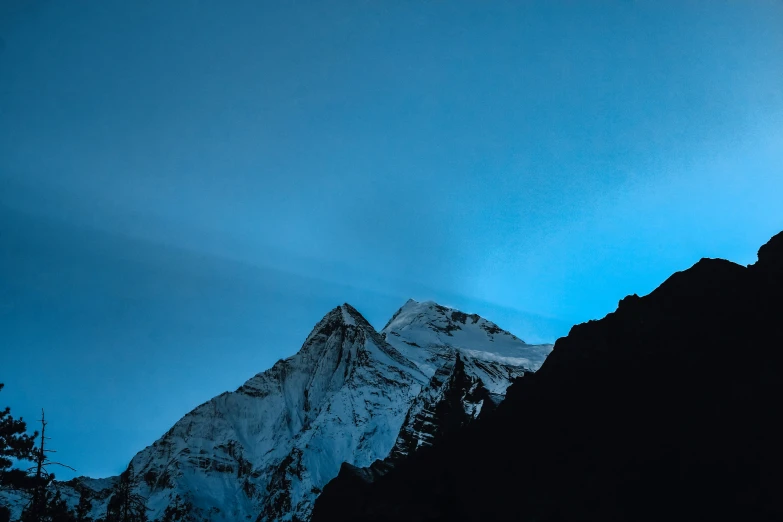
{"points": [[430, 325], [439, 317]]}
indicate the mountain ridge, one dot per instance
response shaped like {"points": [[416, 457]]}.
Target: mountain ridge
{"points": [[351, 395]]}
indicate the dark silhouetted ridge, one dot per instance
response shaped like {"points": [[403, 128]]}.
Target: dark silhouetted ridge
{"points": [[666, 409]]}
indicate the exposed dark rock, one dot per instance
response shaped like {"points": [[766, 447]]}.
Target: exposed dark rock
{"points": [[278, 503]]}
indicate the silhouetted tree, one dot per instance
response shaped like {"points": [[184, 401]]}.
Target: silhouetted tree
{"points": [[57, 509], [14, 444], [84, 506], [125, 505], [44, 505], [53, 508]]}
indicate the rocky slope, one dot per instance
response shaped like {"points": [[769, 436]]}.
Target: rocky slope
{"points": [[350, 395], [666, 409]]}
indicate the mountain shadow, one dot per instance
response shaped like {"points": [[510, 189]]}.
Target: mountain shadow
{"points": [[668, 408]]}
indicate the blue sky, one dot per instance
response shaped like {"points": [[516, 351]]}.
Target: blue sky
{"points": [[187, 187]]}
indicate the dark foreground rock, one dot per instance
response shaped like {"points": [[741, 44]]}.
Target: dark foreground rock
{"points": [[667, 409]]}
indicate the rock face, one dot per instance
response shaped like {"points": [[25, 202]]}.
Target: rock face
{"points": [[666, 409], [350, 395]]}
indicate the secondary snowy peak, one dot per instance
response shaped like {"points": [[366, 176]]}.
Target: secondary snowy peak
{"points": [[432, 326], [470, 362], [441, 320]]}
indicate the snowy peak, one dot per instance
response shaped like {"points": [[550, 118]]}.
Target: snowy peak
{"points": [[443, 321], [351, 316], [347, 315], [341, 339], [341, 317], [432, 326]]}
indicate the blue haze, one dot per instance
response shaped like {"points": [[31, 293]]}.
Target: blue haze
{"points": [[186, 187]]}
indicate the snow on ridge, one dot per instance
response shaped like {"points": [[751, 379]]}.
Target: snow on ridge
{"points": [[490, 356], [449, 326], [422, 330]]}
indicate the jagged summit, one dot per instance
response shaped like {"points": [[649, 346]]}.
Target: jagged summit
{"points": [[342, 339], [343, 315], [348, 315]]}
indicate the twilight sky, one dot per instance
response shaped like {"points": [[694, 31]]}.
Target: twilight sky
{"points": [[187, 187]]}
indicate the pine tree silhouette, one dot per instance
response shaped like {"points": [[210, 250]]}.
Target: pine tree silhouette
{"points": [[84, 506], [125, 505], [57, 509], [44, 504], [15, 444]]}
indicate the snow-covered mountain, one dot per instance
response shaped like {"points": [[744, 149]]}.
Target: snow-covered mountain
{"points": [[350, 395], [469, 363]]}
